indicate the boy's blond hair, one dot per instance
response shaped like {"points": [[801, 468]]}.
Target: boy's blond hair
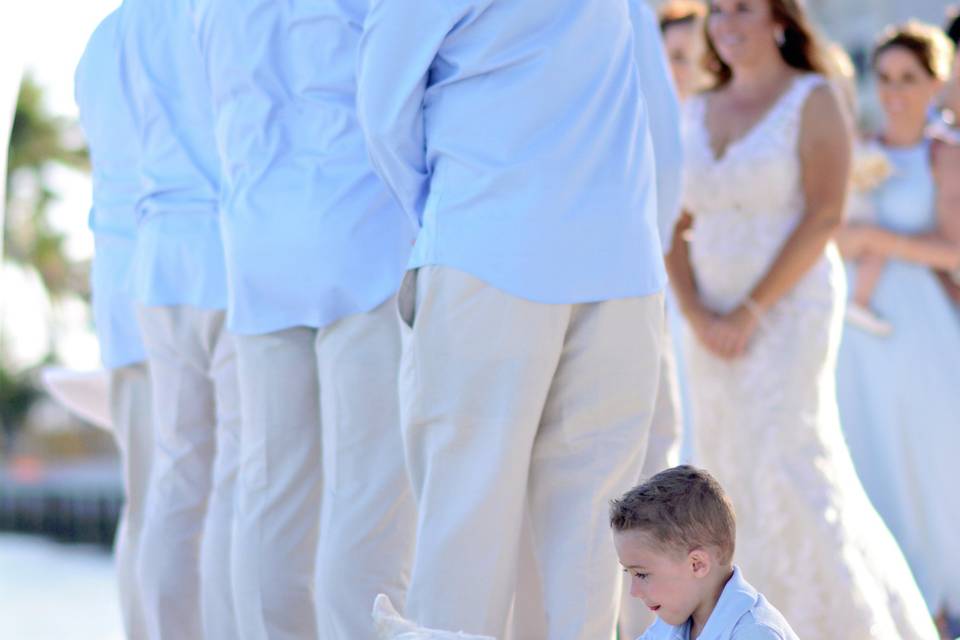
{"points": [[680, 509]]}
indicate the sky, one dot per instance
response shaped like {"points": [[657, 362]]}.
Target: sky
{"points": [[58, 32]]}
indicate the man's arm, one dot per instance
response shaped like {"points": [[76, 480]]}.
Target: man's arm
{"points": [[399, 43], [663, 114]]}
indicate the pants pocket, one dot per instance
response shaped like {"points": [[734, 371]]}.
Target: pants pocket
{"points": [[407, 300]]}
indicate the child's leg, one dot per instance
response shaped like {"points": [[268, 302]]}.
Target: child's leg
{"points": [[869, 270]]}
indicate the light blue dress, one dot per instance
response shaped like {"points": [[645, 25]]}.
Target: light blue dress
{"points": [[899, 395]]}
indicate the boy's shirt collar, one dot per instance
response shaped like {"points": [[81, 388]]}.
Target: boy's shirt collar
{"points": [[738, 597]]}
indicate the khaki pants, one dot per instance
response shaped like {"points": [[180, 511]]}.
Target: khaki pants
{"points": [[185, 550], [663, 452], [507, 406], [130, 413], [321, 427]]}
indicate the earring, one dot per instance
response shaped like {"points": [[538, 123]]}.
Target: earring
{"points": [[780, 37]]}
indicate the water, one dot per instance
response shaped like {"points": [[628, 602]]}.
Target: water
{"points": [[50, 591]]}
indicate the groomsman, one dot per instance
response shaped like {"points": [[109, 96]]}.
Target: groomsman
{"points": [[180, 286], [513, 131], [316, 249], [111, 136]]}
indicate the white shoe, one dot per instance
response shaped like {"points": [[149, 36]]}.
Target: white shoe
{"points": [[865, 319], [392, 626]]}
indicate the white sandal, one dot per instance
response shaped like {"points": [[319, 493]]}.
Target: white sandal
{"points": [[865, 319]]}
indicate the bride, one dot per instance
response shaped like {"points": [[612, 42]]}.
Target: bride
{"points": [[762, 287]]}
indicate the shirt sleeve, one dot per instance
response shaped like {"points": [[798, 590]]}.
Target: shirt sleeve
{"points": [[400, 41], [663, 110]]}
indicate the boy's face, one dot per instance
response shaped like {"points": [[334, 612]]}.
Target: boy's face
{"points": [[670, 584]]}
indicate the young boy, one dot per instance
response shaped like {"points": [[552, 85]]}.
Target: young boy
{"points": [[675, 535]]}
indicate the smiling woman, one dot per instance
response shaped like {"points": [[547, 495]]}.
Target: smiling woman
{"points": [[897, 397], [768, 158], [798, 43]]}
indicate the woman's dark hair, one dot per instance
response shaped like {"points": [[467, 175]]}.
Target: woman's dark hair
{"points": [[674, 13], [928, 44], [952, 27], [802, 48]]}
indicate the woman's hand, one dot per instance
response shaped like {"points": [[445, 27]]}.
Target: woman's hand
{"points": [[856, 240], [727, 336], [701, 323], [734, 331], [850, 241]]}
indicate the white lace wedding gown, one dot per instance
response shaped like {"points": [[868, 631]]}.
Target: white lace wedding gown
{"points": [[767, 424]]}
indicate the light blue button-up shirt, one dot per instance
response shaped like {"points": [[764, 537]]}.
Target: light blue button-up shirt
{"points": [[663, 107], [513, 130], [311, 233], [108, 125], [179, 258], [741, 613]]}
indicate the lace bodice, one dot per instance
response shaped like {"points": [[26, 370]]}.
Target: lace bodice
{"points": [[747, 202]]}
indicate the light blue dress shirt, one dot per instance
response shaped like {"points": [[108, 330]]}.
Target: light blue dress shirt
{"points": [[740, 614], [106, 121], [311, 233], [179, 259], [513, 131], [663, 107]]}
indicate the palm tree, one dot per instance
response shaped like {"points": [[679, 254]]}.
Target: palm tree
{"points": [[38, 140]]}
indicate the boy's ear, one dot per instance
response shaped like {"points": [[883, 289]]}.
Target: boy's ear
{"points": [[700, 562]]}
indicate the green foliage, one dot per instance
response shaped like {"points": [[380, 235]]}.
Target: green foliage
{"points": [[38, 140], [38, 137], [18, 392]]}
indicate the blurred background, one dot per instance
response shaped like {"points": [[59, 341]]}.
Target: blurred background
{"points": [[60, 489]]}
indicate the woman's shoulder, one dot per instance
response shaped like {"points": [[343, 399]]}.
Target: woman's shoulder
{"points": [[819, 101]]}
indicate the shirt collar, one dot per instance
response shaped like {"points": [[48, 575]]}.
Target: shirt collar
{"points": [[738, 598]]}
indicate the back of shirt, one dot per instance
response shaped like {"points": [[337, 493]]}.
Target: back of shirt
{"points": [[526, 161], [179, 254], [311, 232], [107, 123]]}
